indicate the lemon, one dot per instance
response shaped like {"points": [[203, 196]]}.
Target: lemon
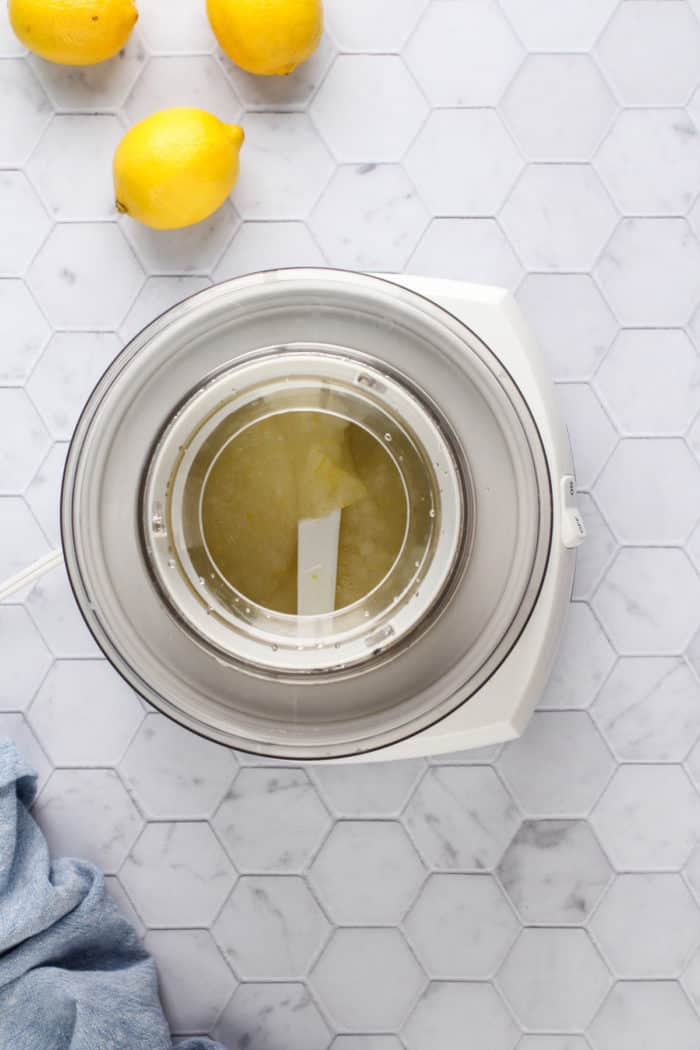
{"points": [[267, 36], [73, 32], [176, 167]]}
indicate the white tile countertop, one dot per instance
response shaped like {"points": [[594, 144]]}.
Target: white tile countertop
{"points": [[544, 896]]}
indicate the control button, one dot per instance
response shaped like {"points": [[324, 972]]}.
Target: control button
{"points": [[568, 490], [573, 531]]}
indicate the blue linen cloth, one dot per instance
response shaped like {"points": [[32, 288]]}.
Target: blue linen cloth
{"points": [[73, 972]]}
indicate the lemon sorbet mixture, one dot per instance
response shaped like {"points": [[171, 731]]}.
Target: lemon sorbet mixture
{"points": [[302, 465]]}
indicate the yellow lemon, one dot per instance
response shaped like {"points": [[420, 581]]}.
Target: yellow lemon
{"points": [[176, 167], [267, 36], [73, 32]]}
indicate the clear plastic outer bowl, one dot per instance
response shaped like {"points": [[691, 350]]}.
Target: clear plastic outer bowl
{"points": [[440, 623]]}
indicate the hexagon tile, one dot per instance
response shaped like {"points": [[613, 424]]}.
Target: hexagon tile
{"points": [[271, 928], [162, 770], [463, 54], [558, 107], [461, 926], [635, 31], [368, 979], [664, 942], [554, 979], [448, 1008], [464, 162], [650, 272], [461, 817], [650, 382], [88, 813], [664, 148], [643, 1015], [544, 895], [366, 873], [554, 872]]}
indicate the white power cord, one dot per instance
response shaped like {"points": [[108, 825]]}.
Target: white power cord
{"points": [[318, 564], [32, 572]]}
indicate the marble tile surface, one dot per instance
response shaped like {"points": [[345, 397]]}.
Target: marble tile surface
{"points": [[186, 80], [19, 460], [288, 188], [461, 817], [26, 658], [83, 714], [558, 217], [649, 490], [270, 1015], [70, 190], [64, 375], [662, 148], [271, 927], [558, 107], [163, 771], [88, 813], [195, 875], [369, 218], [86, 276], [461, 926], [650, 272], [367, 873], [664, 942], [595, 556], [90, 89], [377, 790], [554, 872], [266, 244], [583, 662], [540, 896], [366, 1042], [643, 1015], [368, 105], [555, 979], [572, 321], [43, 494], [553, 1042], [648, 818], [194, 250], [650, 382], [463, 162], [51, 606], [467, 250], [272, 820], [479, 53], [559, 767], [570, 26], [23, 329], [634, 32], [450, 1008], [368, 979], [649, 601], [591, 432], [179, 954], [24, 222], [23, 538], [649, 709]]}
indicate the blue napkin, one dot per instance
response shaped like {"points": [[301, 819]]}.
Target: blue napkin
{"points": [[73, 973]]}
